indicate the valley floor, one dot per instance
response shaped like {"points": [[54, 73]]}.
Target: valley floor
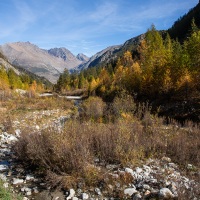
{"points": [[52, 149]]}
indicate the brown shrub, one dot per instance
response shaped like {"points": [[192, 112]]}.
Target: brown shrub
{"points": [[72, 151], [123, 103], [93, 108]]}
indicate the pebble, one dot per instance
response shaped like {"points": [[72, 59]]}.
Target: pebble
{"points": [[5, 185], [129, 170], [137, 196], [98, 191], [3, 177], [138, 170], [165, 193], [85, 196], [130, 191], [35, 190], [71, 194], [17, 132], [29, 177], [3, 168], [17, 181]]}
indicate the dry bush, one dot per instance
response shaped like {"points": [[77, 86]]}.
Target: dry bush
{"points": [[93, 108], [92, 175], [75, 148], [5, 95], [64, 152], [21, 103], [123, 103], [71, 152], [184, 145], [5, 123]]}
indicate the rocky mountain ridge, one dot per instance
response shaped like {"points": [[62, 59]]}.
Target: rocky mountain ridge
{"points": [[82, 57], [51, 63], [111, 53], [44, 63], [104, 55]]}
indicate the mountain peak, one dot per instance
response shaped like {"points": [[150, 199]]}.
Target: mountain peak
{"points": [[44, 63], [82, 57], [63, 53]]}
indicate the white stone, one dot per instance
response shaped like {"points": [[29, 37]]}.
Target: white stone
{"points": [[153, 180], [166, 159], [173, 165], [71, 194], [129, 170], [74, 198], [29, 177], [35, 190], [3, 177], [147, 193], [166, 193], [18, 132], [146, 187], [98, 191], [130, 191], [116, 176], [5, 185], [27, 189], [137, 197], [12, 138], [85, 196], [28, 193], [17, 181], [138, 170], [3, 168], [147, 168], [190, 166], [25, 198], [146, 175], [37, 127]]}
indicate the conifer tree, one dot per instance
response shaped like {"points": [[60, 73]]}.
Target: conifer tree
{"points": [[4, 81]]}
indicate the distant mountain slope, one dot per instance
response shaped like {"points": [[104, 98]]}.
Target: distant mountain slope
{"points": [[6, 64], [44, 63], [66, 55], [182, 26], [111, 53], [82, 57], [180, 30], [19, 71], [103, 56]]}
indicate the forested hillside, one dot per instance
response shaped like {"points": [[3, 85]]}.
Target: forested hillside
{"points": [[181, 28], [163, 70], [13, 77]]}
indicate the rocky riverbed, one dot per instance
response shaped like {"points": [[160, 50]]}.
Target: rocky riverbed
{"points": [[153, 179]]}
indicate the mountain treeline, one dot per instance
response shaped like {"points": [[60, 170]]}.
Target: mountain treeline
{"points": [[181, 28], [10, 80], [162, 66], [15, 77]]}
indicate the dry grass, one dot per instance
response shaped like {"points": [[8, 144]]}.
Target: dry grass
{"points": [[93, 109], [129, 138]]}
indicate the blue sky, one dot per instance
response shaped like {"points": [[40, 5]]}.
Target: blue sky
{"points": [[85, 26]]}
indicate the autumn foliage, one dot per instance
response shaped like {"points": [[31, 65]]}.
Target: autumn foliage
{"points": [[163, 67]]}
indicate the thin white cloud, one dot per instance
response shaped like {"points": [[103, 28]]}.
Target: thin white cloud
{"points": [[26, 16], [104, 11], [89, 28]]}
